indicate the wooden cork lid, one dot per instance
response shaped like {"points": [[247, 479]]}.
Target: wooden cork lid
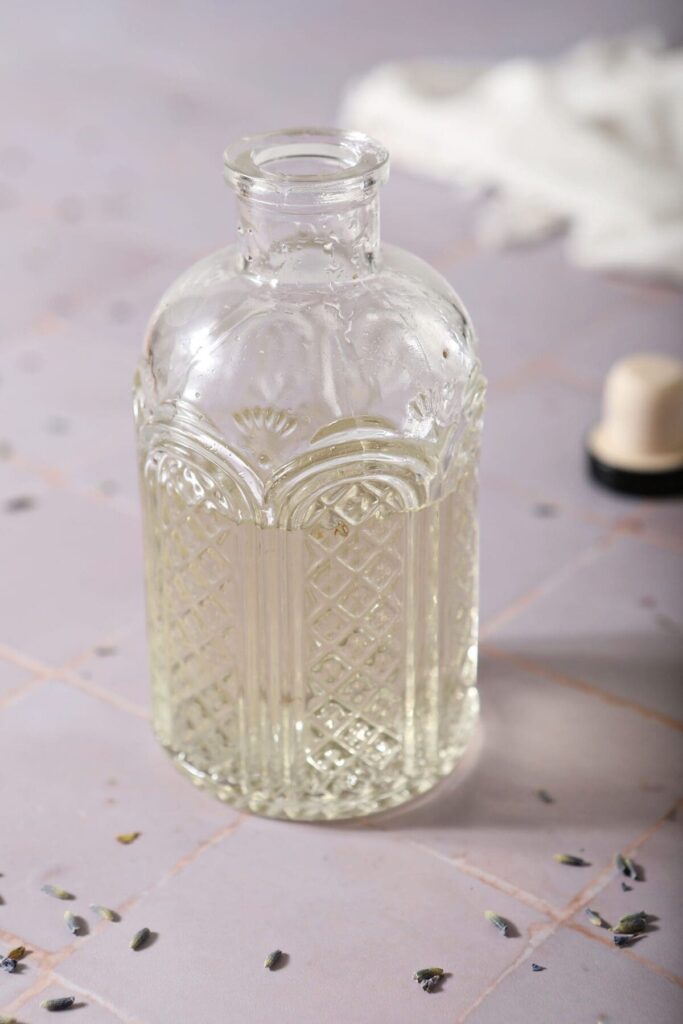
{"points": [[637, 447]]}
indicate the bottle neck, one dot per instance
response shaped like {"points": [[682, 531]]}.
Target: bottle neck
{"points": [[302, 244]]}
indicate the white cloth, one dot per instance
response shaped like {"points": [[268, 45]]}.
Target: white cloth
{"points": [[591, 141]]}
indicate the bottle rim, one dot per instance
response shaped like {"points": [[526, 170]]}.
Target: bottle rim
{"points": [[309, 164]]}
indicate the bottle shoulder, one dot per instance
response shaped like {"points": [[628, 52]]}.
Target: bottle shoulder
{"points": [[274, 369], [404, 305]]}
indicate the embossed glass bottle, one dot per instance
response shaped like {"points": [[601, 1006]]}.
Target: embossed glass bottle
{"points": [[308, 409]]}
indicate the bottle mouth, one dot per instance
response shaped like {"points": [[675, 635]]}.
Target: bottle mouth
{"points": [[306, 165]]}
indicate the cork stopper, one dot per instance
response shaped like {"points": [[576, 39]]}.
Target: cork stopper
{"points": [[637, 447]]}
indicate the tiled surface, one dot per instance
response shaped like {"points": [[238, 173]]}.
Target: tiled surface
{"points": [[659, 859], [647, 321], [99, 773], [521, 323], [361, 896], [76, 571], [534, 442], [119, 665], [582, 982], [537, 734], [12, 677], [114, 118], [616, 623], [665, 518], [519, 546], [29, 1010]]}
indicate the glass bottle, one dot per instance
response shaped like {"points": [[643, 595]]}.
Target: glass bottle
{"points": [[308, 410]]}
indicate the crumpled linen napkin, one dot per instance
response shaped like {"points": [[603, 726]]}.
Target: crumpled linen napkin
{"points": [[591, 141]]}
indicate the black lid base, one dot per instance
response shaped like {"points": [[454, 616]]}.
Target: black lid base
{"points": [[665, 484]]}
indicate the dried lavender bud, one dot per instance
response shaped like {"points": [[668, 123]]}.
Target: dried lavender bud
{"points": [[537, 967], [623, 940], [429, 984], [497, 921], [126, 838], [594, 917], [63, 1003], [426, 973], [569, 858], [72, 922], [59, 894], [104, 912], [631, 924], [544, 796], [140, 939], [22, 503], [272, 959], [18, 953], [8, 964], [626, 866]]}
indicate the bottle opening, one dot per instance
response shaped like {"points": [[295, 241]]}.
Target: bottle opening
{"points": [[324, 165]]}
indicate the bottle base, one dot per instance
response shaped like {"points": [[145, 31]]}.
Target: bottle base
{"points": [[302, 806]]}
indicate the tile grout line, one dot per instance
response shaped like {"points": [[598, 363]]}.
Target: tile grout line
{"points": [[168, 874], [48, 977], [59, 480], [39, 985], [547, 363], [655, 539], [67, 675], [11, 939], [24, 661], [595, 936], [563, 919], [579, 685], [454, 256], [493, 881], [77, 682], [96, 998], [49, 962], [19, 692], [587, 556], [193, 855], [536, 938]]}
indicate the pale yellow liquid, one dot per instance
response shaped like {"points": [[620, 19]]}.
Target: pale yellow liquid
{"points": [[320, 672]]}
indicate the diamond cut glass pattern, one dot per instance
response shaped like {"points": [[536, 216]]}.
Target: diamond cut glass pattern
{"points": [[308, 408]]}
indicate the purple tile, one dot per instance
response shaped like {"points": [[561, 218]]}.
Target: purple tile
{"points": [[665, 518], [27, 978], [67, 396], [428, 218], [95, 772], [75, 567], [616, 623], [12, 677], [356, 914], [20, 491], [648, 321], [538, 734], [69, 411], [529, 305], [119, 664], [657, 893], [534, 440], [86, 1009], [52, 263], [523, 544], [582, 981]]}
